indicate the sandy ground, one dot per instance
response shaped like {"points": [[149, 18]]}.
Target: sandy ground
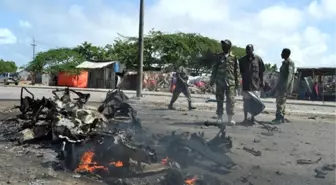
{"points": [[301, 138]]}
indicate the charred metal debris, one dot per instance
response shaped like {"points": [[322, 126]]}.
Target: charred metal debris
{"points": [[60, 118], [93, 140]]}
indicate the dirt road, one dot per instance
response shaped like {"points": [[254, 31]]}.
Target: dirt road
{"points": [[302, 138]]}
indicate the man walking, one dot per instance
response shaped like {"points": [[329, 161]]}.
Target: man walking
{"points": [[252, 70], [181, 87], [284, 86], [225, 75]]}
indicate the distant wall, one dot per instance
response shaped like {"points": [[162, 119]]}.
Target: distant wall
{"points": [[152, 80]]}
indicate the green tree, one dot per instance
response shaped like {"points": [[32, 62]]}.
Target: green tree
{"points": [[187, 49], [175, 49], [56, 60], [7, 66], [239, 52], [91, 52], [125, 51], [271, 68]]}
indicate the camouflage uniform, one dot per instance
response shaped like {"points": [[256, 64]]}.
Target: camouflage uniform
{"points": [[284, 87], [181, 87], [225, 75]]}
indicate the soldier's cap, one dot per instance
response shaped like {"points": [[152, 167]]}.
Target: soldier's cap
{"points": [[226, 41]]}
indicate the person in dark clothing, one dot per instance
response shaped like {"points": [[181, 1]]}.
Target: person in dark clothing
{"points": [[116, 80], [181, 87], [252, 69]]}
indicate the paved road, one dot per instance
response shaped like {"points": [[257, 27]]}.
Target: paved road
{"points": [[99, 96], [167, 94]]}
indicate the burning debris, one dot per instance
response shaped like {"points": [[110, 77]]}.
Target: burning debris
{"points": [[90, 140]]}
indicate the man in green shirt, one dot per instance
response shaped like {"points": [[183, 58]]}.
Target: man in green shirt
{"points": [[181, 87], [284, 86], [225, 75]]}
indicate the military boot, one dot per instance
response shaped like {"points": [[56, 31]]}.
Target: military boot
{"points": [[190, 106], [231, 121], [278, 119], [171, 107]]}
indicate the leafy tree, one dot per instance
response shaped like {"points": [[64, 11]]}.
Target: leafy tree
{"points": [[239, 52], [7, 66], [187, 49], [90, 52], [175, 49], [124, 50], [56, 60], [85, 50], [271, 68]]}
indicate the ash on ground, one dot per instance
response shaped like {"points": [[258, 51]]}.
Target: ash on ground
{"points": [[109, 143]]}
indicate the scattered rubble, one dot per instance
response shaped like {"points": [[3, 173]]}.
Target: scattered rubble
{"points": [[267, 133], [268, 127], [256, 140], [252, 151], [322, 172], [97, 142], [308, 161]]}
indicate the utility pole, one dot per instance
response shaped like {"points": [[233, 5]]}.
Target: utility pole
{"points": [[33, 75], [34, 45], [141, 48]]}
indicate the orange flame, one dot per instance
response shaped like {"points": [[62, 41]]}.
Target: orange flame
{"points": [[191, 181], [87, 165], [117, 164], [165, 160]]}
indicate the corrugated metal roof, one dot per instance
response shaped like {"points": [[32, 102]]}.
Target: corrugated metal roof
{"points": [[19, 70], [94, 65]]}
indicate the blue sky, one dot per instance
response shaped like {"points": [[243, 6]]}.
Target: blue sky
{"points": [[307, 27]]}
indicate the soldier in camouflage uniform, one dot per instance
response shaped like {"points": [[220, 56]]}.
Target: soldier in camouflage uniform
{"points": [[225, 75], [284, 86], [181, 87]]}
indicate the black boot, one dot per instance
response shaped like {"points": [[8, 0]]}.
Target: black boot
{"points": [[171, 107], [190, 106], [254, 121], [278, 119]]}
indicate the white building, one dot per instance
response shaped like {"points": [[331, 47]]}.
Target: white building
{"points": [[23, 74]]}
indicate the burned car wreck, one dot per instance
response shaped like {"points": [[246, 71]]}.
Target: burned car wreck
{"points": [[91, 140]]}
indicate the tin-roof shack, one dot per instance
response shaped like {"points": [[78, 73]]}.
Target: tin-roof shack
{"points": [[102, 74]]}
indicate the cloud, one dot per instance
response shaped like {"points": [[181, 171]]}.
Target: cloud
{"points": [[323, 9], [280, 19], [25, 24], [270, 27], [7, 37]]}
